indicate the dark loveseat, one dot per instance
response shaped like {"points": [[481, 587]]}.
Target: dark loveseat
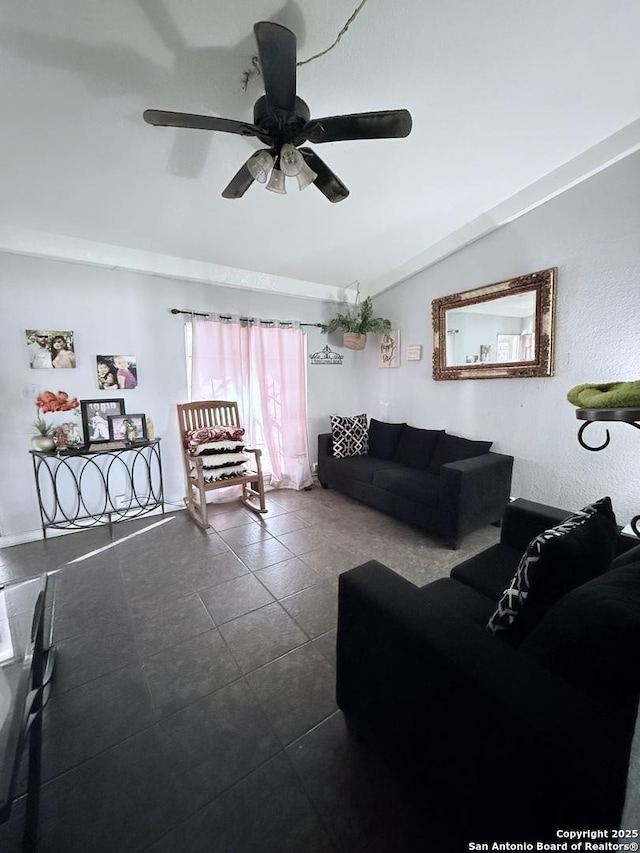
{"points": [[504, 742], [442, 483]]}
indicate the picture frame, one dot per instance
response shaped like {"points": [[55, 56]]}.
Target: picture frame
{"points": [[121, 427], [95, 418]]}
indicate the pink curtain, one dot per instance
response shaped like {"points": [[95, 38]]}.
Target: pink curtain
{"points": [[265, 370]]}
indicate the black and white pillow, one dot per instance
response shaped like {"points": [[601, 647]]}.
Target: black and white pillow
{"points": [[556, 561], [350, 436]]}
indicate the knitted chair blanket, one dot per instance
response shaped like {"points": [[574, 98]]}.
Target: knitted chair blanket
{"points": [[609, 395]]}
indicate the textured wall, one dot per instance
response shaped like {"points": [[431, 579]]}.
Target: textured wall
{"points": [[591, 233]]}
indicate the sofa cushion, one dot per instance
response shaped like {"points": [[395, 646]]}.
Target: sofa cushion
{"points": [[350, 435], [489, 572], [452, 597], [417, 446], [384, 438], [356, 468], [453, 448], [410, 484], [591, 637], [555, 562]]}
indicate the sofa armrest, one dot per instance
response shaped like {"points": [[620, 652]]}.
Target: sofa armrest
{"points": [[473, 493], [325, 451], [522, 520], [415, 678]]}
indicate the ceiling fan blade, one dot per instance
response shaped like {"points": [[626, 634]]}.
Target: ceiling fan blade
{"points": [[327, 182], [239, 184], [385, 124], [226, 125], [277, 49]]}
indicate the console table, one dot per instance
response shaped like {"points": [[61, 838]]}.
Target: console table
{"points": [[84, 488], [26, 666]]}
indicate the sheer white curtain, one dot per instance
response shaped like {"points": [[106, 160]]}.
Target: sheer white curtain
{"points": [[264, 368]]}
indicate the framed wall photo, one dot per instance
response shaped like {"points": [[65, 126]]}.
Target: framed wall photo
{"points": [[128, 427], [95, 418], [50, 348], [117, 372]]}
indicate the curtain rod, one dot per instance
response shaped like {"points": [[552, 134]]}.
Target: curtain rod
{"points": [[242, 319]]}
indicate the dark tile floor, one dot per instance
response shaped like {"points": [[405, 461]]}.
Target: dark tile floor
{"points": [[193, 705]]}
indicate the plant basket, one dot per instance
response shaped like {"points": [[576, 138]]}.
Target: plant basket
{"points": [[352, 340]]}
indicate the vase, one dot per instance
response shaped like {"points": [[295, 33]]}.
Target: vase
{"points": [[352, 340], [43, 443]]}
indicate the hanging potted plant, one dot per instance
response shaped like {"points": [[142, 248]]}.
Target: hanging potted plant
{"points": [[356, 323]]}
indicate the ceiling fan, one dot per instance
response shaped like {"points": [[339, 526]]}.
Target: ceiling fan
{"points": [[282, 121]]}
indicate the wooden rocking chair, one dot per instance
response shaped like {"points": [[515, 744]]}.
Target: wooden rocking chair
{"points": [[215, 413]]}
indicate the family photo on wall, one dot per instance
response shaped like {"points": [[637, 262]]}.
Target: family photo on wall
{"points": [[119, 372], [50, 348]]}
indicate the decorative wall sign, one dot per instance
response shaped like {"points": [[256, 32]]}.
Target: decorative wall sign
{"points": [[326, 356], [389, 350], [413, 352]]}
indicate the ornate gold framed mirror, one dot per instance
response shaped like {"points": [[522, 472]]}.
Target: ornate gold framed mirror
{"points": [[501, 330]]}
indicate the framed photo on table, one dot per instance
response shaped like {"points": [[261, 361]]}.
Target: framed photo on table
{"points": [[95, 418], [128, 428]]}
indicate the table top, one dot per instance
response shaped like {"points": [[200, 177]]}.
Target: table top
{"points": [[95, 448], [17, 605], [626, 414]]}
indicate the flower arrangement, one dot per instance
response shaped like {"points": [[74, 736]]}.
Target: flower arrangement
{"points": [[50, 402], [60, 402]]}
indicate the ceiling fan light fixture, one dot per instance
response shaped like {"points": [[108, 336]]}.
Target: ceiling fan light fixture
{"points": [[291, 160], [305, 176], [281, 118], [259, 166], [276, 182]]}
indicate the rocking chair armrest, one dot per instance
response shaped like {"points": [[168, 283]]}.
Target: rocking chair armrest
{"points": [[191, 457], [255, 450]]}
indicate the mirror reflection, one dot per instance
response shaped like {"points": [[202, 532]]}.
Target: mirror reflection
{"points": [[494, 332]]}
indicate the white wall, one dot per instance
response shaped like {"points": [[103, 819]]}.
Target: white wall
{"points": [[115, 311], [592, 234]]}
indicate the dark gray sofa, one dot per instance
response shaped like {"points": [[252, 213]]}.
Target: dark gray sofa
{"points": [[442, 483], [503, 742]]}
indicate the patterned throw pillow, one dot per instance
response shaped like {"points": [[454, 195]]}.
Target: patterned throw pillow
{"points": [[556, 561], [350, 436]]}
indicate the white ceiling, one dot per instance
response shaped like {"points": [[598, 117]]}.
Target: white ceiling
{"points": [[506, 98]]}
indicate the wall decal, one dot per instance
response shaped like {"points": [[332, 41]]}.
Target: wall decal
{"points": [[326, 356]]}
